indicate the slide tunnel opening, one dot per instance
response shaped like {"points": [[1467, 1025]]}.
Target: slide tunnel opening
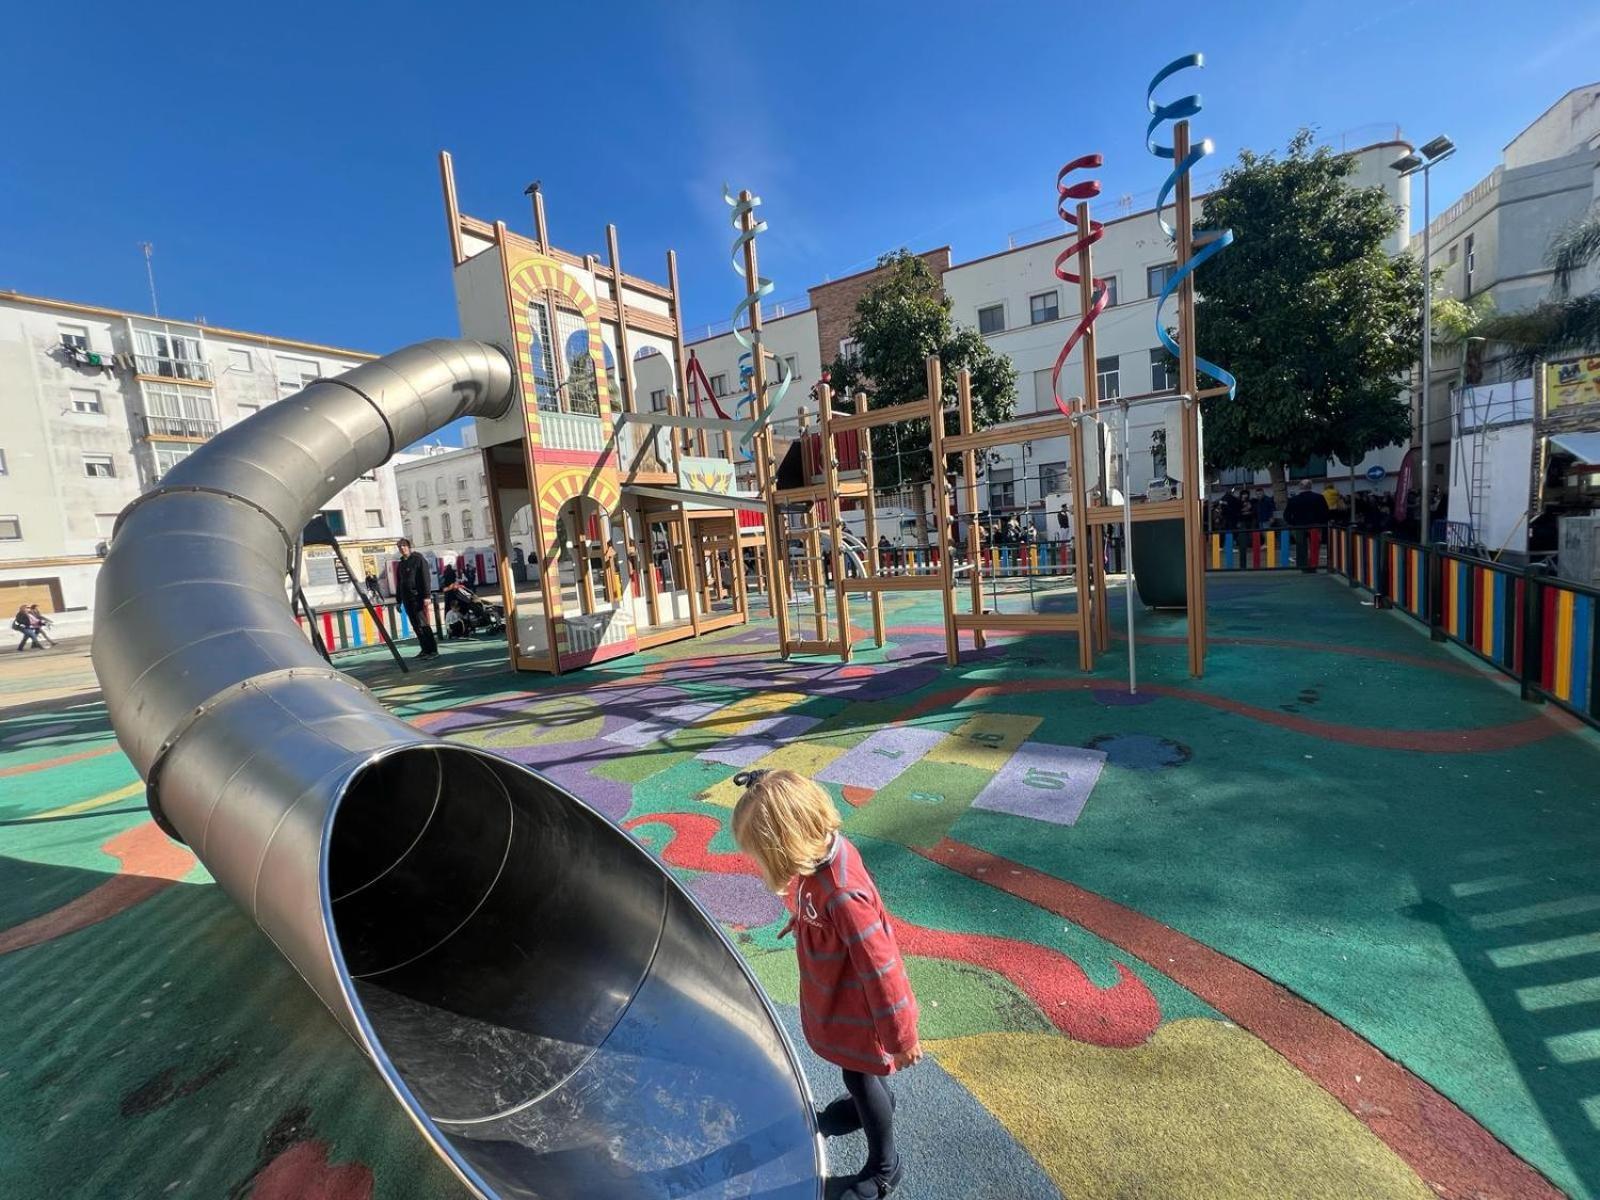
{"points": [[494, 929], [548, 993]]}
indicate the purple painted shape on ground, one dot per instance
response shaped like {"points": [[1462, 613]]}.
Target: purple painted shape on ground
{"points": [[737, 900], [1117, 698], [663, 723], [790, 727], [1047, 783], [738, 751], [607, 797], [898, 682], [880, 759]]}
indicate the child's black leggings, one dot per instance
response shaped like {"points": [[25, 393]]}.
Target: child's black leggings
{"points": [[871, 1094]]}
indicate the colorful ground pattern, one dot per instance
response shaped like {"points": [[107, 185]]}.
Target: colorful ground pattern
{"points": [[1323, 924]]}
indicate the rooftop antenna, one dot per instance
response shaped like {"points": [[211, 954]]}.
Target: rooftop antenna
{"points": [[150, 274]]}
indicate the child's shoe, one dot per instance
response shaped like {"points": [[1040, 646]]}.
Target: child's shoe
{"points": [[876, 1187]]}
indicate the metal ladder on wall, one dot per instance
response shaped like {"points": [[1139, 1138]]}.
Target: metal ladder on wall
{"points": [[1472, 456]]}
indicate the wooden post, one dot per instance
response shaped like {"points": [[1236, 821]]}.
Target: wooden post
{"points": [[874, 566], [969, 473], [830, 481], [678, 397], [644, 555], [941, 512], [777, 575], [541, 231], [684, 553], [452, 209], [815, 577], [741, 593], [1092, 598], [1188, 383]]}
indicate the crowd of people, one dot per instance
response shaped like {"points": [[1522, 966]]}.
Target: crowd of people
{"points": [[1249, 508]]}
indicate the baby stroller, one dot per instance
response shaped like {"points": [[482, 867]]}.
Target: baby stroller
{"points": [[465, 614]]}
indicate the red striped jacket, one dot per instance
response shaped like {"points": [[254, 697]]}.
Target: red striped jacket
{"points": [[856, 1006]]}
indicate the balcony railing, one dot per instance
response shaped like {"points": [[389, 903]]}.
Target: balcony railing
{"points": [[563, 431], [156, 426], [172, 368]]}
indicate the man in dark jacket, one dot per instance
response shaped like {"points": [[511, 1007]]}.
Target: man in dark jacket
{"points": [[414, 587], [1306, 509]]}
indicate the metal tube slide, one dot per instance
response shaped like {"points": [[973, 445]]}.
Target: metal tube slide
{"points": [[556, 1014]]}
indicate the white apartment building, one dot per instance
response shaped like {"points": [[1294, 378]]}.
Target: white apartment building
{"points": [[97, 404], [1015, 301], [1493, 242], [444, 502]]}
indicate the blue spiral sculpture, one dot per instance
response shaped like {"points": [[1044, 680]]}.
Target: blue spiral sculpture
{"points": [[1178, 110], [751, 347]]}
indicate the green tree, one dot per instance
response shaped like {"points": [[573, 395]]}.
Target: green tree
{"points": [[1308, 310], [1563, 324], [899, 321]]}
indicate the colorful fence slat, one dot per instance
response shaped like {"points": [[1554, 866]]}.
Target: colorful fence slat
{"points": [[1408, 579], [1260, 549], [1482, 609], [1566, 646], [1540, 630], [354, 628]]}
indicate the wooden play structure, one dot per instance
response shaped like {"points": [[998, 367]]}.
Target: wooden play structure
{"points": [[1168, 534], [635, 531], [616, 529]]}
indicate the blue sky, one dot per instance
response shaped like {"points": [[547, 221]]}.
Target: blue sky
{"points": [[281, 157]]}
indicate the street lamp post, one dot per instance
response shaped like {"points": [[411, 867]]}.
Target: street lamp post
{"points": [[1424, 160]]}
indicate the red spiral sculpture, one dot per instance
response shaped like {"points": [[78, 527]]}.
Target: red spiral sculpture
{"points": [[1067, 194]]}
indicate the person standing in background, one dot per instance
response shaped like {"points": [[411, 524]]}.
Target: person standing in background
{"points": [[1266, 508], [415, 590], [1306, 509]]}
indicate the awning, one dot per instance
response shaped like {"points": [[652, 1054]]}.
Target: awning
{"points": [[686, 496], [1585, 447]]}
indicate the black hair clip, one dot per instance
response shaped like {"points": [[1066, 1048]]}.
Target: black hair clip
{"points": [[748, 779]]}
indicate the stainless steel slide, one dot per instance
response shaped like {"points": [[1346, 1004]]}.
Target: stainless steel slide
{"points": [[551, 1008]]}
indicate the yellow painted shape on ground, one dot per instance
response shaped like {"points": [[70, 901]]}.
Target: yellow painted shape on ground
{"points": [[985, 741], [741, 714], [1202, 1111], [805, 757], [101, 801]]}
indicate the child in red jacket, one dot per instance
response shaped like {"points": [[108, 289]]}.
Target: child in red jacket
{"points": [[856, 1006]]}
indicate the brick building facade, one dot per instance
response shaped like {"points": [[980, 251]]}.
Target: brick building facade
{"points": [[834, 302]]}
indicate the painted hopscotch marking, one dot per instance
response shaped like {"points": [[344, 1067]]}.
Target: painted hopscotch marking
{"points": [[986, 741], [807, 758], [880, 759], [743, 749], [1046, 783], [665, 722]]}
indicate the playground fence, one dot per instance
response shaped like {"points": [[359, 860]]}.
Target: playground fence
{"points": [[1276, 549], [1535, 628], [352, 628]]}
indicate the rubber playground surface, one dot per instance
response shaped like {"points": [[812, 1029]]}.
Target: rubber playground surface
{"points": [[1325, 923]]}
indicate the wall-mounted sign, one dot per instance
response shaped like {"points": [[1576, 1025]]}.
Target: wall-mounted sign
{"points": [[714, 475], [1576, 381]]}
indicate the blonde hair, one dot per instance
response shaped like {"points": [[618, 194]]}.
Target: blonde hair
{"points": [[786, 823]]}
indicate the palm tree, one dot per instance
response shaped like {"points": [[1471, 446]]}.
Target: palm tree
{"points": [[1563, 324]]}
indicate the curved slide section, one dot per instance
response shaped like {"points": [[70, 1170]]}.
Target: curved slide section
{"points": [[553, 1011], [1157, 560]]}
